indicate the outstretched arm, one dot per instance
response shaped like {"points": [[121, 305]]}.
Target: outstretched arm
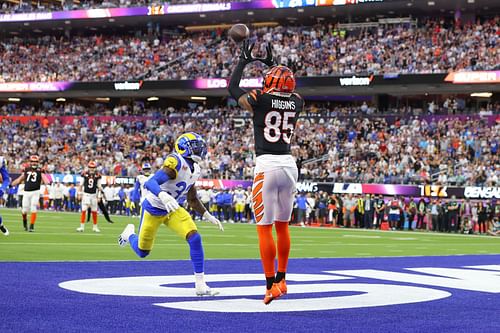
{"points": [[18, 180], [195, 203], [246, 57]]}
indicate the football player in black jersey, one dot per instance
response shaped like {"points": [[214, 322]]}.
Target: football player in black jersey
{"points": [[275, 110], [32, 178], [91, 184]]}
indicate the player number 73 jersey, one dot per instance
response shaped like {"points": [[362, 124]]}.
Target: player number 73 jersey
{"points": [[274, 118], [32, 179]]}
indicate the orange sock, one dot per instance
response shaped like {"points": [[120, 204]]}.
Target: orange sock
{"points": [[32, 218], [283, 235], [267, 248], [82, 217], [94, 217]]}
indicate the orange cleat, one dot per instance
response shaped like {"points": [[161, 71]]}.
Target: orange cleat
{"points": [[272, 294], [282, 286]]}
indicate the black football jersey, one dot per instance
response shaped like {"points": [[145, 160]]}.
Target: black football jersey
{"points": [[90, 182], [274, 119], [32, 179]]}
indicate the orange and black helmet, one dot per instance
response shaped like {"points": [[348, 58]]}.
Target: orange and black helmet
{"points": [[279, 79], [92, 165], [34, 159]]}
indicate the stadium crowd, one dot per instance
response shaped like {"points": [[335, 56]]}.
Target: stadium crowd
{"points": [[310, 209], [97, 58], [49, 6], [454, 150], [432, 47]]}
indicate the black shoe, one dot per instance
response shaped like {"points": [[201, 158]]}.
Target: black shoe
{"points": [[25, 224], [32, 228]]}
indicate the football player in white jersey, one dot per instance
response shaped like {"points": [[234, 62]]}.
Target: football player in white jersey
{"points": [[138, 194], [4, 185], [240, 198], [166, 191]]}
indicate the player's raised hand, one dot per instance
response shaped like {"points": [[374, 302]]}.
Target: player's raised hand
{"points": [[212, 219], [269, 59], [246, 51]]}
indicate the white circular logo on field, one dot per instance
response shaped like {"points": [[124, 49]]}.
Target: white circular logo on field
{"points": [[313, 296]]}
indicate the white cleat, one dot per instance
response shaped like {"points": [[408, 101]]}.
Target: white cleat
{"points": [[80, 229], [125, 235], [6, 233], [95, 229], [204, 290]]}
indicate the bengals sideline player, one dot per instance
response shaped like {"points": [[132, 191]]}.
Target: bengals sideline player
{"points": [[32, 177]]}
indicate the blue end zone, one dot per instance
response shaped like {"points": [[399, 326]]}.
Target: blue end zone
{"points": [[31, 299]]}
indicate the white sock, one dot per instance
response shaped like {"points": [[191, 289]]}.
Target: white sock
{"points": [[199, 278]]}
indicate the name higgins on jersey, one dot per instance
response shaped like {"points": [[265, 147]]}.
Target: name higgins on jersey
{"points": [[282, 105]]}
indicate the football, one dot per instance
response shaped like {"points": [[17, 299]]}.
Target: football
{"points": [[239, 32]]}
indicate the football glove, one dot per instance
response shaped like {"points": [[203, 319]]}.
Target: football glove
{"points": [[212, 219], [269, 60], [168, 201], [246, 52]]}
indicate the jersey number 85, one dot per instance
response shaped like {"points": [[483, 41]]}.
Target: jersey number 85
{"points": [[278, 126]]}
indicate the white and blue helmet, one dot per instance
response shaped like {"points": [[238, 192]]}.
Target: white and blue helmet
{"points": [[191, 145]]}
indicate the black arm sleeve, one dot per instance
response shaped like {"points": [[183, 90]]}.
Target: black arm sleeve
{"points": [[234, 82]]}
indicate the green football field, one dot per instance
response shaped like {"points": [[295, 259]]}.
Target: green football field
{"points": [[55, 239]]}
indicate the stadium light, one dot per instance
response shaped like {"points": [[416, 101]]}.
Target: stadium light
{"points": [[14, 99], [61, 99], [152, 99], [102, 99], [482, 94], [198, 98]]}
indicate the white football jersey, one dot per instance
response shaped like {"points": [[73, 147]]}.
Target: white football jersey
{"points": [[240, 196], [178, 187], [142, 179]]}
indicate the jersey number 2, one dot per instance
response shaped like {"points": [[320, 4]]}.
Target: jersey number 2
{"points": [[278, 126]]}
